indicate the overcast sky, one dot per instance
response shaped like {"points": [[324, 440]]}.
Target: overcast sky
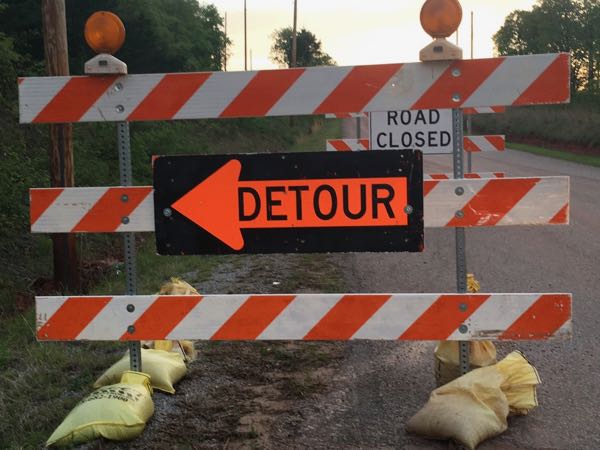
{"points": [[356, 31]]}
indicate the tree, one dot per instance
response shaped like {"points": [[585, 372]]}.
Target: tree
{"points": [[557, 26], [309, 52], [162, 35]]}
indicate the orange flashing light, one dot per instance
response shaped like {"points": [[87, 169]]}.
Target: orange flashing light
{"points": [[104, 32], [441, 18]]}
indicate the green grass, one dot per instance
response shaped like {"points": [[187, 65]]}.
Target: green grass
{"points": [[590, 160], [321, 131], [154, 270]]}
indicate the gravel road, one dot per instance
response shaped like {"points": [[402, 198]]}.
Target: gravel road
{"points": [[361, 394], [381, 385]]}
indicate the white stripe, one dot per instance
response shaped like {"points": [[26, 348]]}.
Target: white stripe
{"points": [[309, 91], [36, 93], [207, 316], [67, 210], [442, 202], [407, 86], [300, 316], [45, 308], [215, 95], [122, 98], [111, 323], [395, 316], [541, 203], [510, 80], [142, 217], [495, 315]]}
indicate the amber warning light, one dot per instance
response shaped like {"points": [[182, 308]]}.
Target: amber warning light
{"points": [[440, 18], [105, 34]]}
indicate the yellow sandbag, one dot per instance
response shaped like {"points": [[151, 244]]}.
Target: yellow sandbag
{"points": [[164, 368], [176, 286], [118, 412], [469, 410], [185, 348], [521, 380], [447, 368]]}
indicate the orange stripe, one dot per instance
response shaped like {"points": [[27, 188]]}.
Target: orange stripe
{"points": [[561, 217], [365, 143], [473, 74], [340, 145], [357, 89], [169, 96], [262, 92], [162, 316], [497, 141], [493, 201], [346, 317], [469, 145], [251, 319], [499, 174], [498, 109], [428, 186], [552, 86], [71, 318], [74, 99], [472, 175], [542, 319], [443, 317], [40, 200], [439, 176], [107, 212]]}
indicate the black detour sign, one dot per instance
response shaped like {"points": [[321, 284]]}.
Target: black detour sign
{"points": [[289, 203]]}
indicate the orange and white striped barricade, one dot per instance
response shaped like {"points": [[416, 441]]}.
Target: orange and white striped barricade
{"points": [[483, 202], [501, 81], [484, 143], [346, 115], [484, 110], [305, 317]]}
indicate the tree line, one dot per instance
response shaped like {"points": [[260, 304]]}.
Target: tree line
{"points": [[558, 26]]}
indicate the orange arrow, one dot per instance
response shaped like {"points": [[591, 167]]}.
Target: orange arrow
{"points": [[223, 206]]}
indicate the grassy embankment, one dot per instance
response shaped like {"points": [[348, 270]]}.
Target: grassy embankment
{"points": [[41, 382], [567, 132]]}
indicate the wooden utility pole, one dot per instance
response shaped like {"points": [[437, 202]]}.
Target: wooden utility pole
{"points": [[294, 36], [66, 264]]}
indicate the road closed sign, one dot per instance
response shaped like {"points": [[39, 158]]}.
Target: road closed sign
{"points": [[427, 130], [289, 203]]}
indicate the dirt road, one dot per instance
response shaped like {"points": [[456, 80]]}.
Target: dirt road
{"points": [[361, 394], [380, 386]]}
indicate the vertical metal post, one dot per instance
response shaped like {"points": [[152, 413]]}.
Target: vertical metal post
{"points": [[469, 133], [126, 179], [461, 255]]}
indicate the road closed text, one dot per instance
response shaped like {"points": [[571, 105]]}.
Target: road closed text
{"points": [[323, 203], [427, 130]]}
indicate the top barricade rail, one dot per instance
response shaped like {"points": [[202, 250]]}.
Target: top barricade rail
{"points": [[502, 81]]}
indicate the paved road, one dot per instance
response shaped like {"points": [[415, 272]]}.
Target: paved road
{"points": [[382, 385]]}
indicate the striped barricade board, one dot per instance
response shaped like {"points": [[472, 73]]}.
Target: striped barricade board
{"points": [[501, 81], [306, 317], [450, 176], [346, 115], [481, 202], [484, 110], [484, 143]]}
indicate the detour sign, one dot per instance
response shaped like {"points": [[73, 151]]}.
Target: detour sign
{"points": [[302, 202]]}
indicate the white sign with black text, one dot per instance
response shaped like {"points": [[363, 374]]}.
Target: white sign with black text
{"points": [[428, 130]]}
